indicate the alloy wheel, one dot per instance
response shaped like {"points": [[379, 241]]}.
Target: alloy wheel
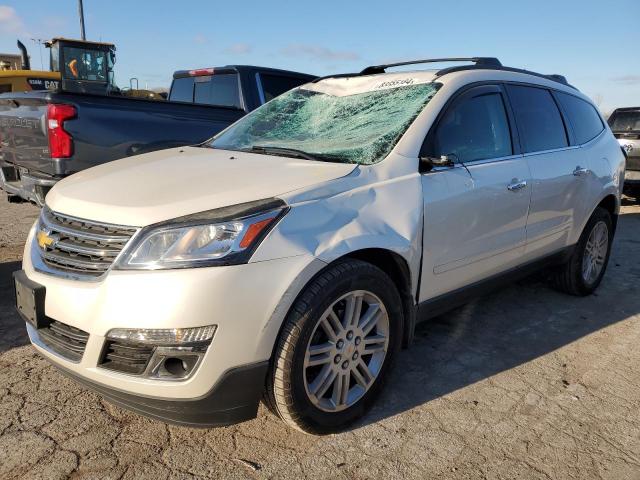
{"points": [[346, 351], [595, 252]]}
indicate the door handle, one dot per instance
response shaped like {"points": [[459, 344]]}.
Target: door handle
{"points": [[519, 185], [579, 171]]}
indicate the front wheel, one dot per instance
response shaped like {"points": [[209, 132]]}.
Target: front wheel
{"points": [[582, 274], [335, 348]]}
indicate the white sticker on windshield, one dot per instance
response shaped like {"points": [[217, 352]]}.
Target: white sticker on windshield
{"points": [[400, 82]]}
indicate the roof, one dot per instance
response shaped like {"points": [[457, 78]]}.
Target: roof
{"points": [[452, 80], [239, 69], [351, 85], [474, 63], [625, 109], [63, 39]]}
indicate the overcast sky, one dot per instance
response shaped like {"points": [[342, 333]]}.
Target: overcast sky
{"points": [[594, 43]]}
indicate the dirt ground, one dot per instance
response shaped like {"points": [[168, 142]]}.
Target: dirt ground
{"points": [[525, 383]]}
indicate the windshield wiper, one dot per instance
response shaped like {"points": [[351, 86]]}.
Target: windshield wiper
{"points": [[291, 152]]}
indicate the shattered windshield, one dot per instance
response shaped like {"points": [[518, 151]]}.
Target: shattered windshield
{"points": [[360, 128]]}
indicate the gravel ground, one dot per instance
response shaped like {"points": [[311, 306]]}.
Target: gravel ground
{"points": [[525, 383], [15, 221]]}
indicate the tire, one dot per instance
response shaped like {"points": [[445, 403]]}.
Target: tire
{"points": [[295, 374], [571, 278]]}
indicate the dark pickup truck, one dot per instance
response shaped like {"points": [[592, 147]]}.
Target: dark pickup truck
{"points": [[625, 125], [46, 136]]}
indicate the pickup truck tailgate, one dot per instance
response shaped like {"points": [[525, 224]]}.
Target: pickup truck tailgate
{"points": [[631, 144], [23, 134]]}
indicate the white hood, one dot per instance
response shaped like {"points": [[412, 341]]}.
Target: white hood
{"points": [[162, 185]]}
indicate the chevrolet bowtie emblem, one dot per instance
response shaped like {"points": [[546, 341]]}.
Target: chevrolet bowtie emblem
{"points": [[44, 240]]}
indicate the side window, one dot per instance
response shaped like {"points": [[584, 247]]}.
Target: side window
{"points": [[539, 121], [274, 85], [584, 119], [476, 128]]}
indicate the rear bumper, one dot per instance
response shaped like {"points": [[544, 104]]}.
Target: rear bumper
{"points": [[28, 187], [234, 398]]}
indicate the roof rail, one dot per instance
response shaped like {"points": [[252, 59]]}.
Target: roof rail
{"points": [[553, 77], [484, 61], [479, 63]]}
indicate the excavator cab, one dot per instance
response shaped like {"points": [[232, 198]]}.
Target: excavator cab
{"points": [[85, 67]]}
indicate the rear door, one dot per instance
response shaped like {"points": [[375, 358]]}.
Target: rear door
{"points": [[475, 211], [586, 132], [559, 172]]}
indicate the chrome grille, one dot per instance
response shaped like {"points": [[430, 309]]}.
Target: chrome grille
{"points": [[80, 246]]}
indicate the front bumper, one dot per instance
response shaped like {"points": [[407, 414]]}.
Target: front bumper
{"points": [[26, 186], [247, 303], [234, 399]]}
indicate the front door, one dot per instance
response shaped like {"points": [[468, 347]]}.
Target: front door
{"points": [[475, 212]]}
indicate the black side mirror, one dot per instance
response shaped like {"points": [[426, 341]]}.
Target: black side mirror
{"points": [[428, 163]]}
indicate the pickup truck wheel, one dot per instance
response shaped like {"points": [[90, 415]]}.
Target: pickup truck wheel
{"points": [[582, 274], [336, 348]]}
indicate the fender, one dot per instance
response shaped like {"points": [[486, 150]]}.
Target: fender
{"points": [[359, 211]]}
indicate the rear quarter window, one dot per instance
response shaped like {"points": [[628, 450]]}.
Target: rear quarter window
{"points": [[539, 121], [584, 119]]}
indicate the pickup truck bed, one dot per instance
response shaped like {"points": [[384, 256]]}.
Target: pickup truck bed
{"points": [[106, 128]]}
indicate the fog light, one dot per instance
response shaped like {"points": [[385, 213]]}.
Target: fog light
{"points": [[163, 336], [175, 353], [175, 366], [175, 363]]}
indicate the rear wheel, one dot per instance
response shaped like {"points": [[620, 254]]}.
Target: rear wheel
{"points": [[336, 348], [582, 274]]}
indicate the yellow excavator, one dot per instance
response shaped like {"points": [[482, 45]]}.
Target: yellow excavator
{"points": [[16, 74], [76, 66]]}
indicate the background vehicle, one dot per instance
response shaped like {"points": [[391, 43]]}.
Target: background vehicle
{"points": [[625, 125], [74, 65], [49, 135], [293, 253]]}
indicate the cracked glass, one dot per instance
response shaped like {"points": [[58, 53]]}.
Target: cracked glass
{"points": [[360, 128]]}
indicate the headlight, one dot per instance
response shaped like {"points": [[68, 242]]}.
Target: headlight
{"points": [[198, 242]]}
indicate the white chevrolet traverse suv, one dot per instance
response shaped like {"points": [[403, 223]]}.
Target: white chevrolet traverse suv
{"points": [[290, 257]]}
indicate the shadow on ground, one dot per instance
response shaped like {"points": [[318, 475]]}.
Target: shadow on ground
{"points": [[509, 328]]}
